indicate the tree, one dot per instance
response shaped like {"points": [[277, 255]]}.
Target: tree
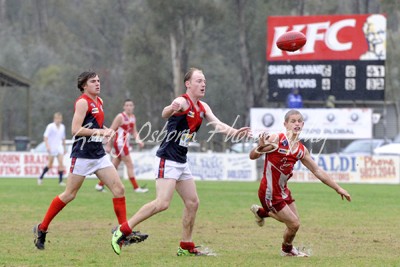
{"points": [[180, 22]]}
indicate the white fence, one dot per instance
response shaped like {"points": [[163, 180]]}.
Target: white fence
{"points": [[225, 167], [204, 166]]}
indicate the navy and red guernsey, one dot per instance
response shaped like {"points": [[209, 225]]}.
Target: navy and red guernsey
{"points": [[181, 128], [90, 147]]}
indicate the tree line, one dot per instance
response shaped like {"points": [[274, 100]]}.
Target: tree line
{"points": [[142, 48]]}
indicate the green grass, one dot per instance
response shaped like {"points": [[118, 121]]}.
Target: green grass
{"points": [[364, 232]]}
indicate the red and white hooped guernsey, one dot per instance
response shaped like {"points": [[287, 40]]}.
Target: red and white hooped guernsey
{"points": [[278, 168], [123, 133]]}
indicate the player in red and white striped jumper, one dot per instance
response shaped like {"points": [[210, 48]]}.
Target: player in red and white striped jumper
{"points": [[124, 125], [282, 151]]}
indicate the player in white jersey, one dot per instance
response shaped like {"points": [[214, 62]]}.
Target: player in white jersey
{"points": [[124, 125], [54, 138]]}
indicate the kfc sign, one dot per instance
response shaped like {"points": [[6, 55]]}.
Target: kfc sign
{"points": [[333, 37], [343, 58]]}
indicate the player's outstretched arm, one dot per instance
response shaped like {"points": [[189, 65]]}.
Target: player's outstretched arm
{"points": [[224, 128], [323, 176]]}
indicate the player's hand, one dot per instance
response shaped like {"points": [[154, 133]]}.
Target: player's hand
{"points": [[176, 106], [343, 193], [265, 145], [263, 139]]}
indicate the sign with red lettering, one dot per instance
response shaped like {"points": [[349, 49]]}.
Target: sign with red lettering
{"points": [[344, 57], [353, 169]]}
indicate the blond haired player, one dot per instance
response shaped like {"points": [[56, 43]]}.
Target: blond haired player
{"points": [[282, 151], [185, 115]]}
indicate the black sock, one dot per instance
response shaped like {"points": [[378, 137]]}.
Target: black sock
{"points": [[287, 248], [45, 169], [60, 176]]}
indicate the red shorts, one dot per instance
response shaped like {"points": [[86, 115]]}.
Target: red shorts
{"points": [[276, 203]]}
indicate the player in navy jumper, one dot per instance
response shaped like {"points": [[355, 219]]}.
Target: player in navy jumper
{"points": [[184, 115], [87, 156]]}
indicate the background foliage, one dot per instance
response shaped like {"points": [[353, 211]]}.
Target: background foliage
{"points": [[141, 48]]}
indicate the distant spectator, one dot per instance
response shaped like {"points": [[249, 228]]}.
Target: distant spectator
{"points": [[294, 99], [330, 101], [54, 138]]}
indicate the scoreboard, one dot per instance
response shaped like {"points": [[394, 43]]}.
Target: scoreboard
{"points": [[346, 80], [344, 56]]}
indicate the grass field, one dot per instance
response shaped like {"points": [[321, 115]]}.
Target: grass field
{"points": [[365, 232]]}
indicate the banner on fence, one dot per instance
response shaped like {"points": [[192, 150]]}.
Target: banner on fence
{"points": [[353, 169], [204, 166], [224, 167]]}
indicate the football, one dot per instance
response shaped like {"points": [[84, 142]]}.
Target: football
{"points": [[291, 41]]}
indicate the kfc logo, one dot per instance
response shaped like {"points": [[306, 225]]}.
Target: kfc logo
{"points": [[315, 32], [375, 33]]}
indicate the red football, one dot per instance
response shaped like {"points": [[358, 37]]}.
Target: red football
{"points": [[291, 41]]}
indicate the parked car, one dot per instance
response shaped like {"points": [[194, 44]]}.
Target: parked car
{"points": [[364, 146], [389, 149], [242, 147]]}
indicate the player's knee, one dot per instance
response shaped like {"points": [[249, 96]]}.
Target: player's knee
{"points": [[161, 205], [193, 204], [294, 226], [119, 190]]}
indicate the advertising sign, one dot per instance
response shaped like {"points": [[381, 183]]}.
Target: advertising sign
{"points": [[320, 123], [353, 169], [225, 167], [204, 166]]}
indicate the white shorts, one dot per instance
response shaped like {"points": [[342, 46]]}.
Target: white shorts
{"points": [[171, 169], [85, 167], [55, 151]]}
